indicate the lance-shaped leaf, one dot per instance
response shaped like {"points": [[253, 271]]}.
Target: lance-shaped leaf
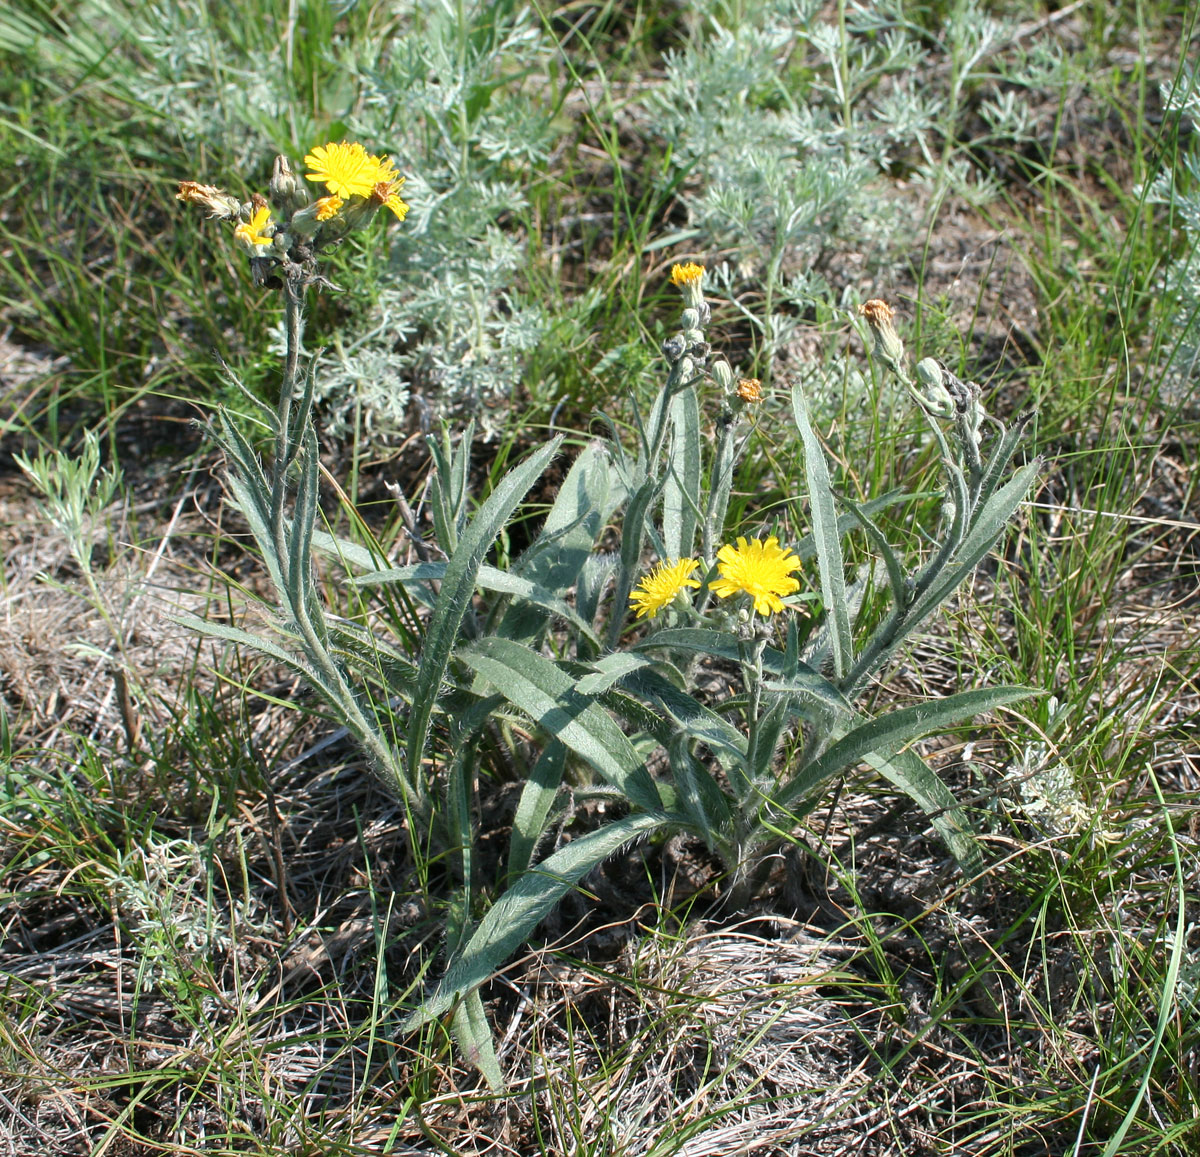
{"points": [[512, 919], [416, 578], [533, 809], [700, 796], [548, 695], [826, 537], [913, 776], [886, 734], [986, 527], [458, 585], [682, 488]]}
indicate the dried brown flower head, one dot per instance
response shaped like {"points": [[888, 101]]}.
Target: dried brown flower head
{"points": [[750, 390]]}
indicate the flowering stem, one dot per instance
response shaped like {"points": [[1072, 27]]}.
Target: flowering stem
{"points": [[720, 483], [285, 445], [752, 672]]}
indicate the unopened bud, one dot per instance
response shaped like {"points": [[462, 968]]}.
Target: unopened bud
{"points": [[286, 191], [932, 378], [690, 319], [722, 375]]}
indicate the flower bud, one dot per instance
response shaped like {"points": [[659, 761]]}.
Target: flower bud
{"points": [[722, 375], [932, 379], [690, 319], [285, 190]]}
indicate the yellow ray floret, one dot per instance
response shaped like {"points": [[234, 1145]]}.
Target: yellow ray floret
{"points": [[759, 569], [687, 274], [661, 585], [346, 169], [251, 232], [387, 195]]}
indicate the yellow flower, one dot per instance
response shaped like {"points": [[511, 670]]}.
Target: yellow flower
{"points": [[250, 233], [328, 207], [760, 569], [386, 194], [689, 274], [347, 169], [661, 586], [385, 169]]}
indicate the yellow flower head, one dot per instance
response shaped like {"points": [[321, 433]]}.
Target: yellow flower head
{"points": [[687, 279], [661, 586], [759, 569], [252, 233], [387, 195], [346, 169], [328, 207], [688, 274]]}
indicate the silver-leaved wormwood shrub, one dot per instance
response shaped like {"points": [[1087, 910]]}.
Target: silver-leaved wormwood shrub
{"points": [[785, 119], [459, 92], [548, 651], [465, 106], [1179, 188]]}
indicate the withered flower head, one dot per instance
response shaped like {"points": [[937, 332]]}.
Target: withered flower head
{"points": [[219, 204], [386, 195], [750, 390], [888, 346], [876, 311]]}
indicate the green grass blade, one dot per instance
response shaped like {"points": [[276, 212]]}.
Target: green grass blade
{"points": [[826, 535], [512, 919], [458, 586], [1167, 1006]]}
